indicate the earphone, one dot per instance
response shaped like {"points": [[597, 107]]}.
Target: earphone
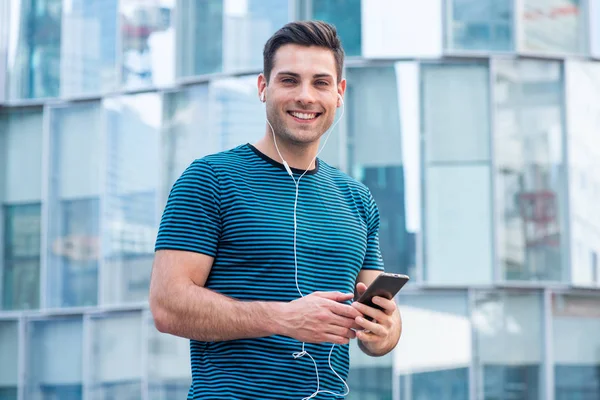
{"points": [[300, 354]]}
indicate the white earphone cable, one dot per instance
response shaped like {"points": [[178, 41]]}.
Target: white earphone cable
{"points": [[297, 184]]}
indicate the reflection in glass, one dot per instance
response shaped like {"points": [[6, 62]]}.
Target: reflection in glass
{"points": [[20, 196], [530, 181], [375, 153], [430, 365], [116, 360], [576, 347], [509, 345], [186, 136], [88, 47], [556, 26], [369, 378], [9, 357], [583, 117], [130, 214], [484, 25], [148, 43], [55, 359], [346, 17], [74, 206], [223, 35], [168, 363], [458, 207]]}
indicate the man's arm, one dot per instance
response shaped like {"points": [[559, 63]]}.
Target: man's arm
{"points": [[385, 335], [181, 306]]}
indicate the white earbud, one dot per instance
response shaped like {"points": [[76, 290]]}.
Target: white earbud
{"points": [[341, 98], [262, 96]]}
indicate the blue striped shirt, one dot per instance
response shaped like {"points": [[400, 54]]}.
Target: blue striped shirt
{"points": [[237, 206]]}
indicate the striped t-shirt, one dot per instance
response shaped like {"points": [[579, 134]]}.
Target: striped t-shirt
{"points": [[237, 206]]}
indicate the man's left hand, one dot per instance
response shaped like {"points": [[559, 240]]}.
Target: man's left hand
{"points": [[381, 334]]}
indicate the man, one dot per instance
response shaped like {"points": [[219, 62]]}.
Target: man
{"points": [[258, 269]]}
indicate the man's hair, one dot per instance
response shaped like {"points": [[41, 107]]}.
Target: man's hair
{"points": [[304, 33]]}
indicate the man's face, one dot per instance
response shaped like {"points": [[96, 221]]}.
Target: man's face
{"points": [[302, 95]]}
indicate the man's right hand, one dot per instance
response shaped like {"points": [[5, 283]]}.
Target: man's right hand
{"points": [[320, 317]]}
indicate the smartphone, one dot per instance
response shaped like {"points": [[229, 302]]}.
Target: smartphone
{"points": [[385, 285]]}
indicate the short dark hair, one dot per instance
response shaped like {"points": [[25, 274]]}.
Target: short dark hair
{"points": [[304, 33]]}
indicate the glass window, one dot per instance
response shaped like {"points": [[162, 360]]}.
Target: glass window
{"points": [[147, 42], [62, 48], [226, 35], [583, 111], [594, 27], [431, 365], [458, 207], [168, 365], [20, 196], [116, 359], [74, 206], [130, 216], [556, 26], [480, 25], [54, 359], [4, 31], [345, 15], [186, 136], [509, 345], [576, 346], [376, 148], [9, 357], [88, 50], [369, 378], [530, 182]]}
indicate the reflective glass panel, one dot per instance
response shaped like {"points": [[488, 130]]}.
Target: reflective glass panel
{"points": [[346, 17], [430, 365], [9, 357], [576, 347], [509, 345], [54, 363], [530, 170], [74, 205]]}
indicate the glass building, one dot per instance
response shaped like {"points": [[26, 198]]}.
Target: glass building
{"points": [[475, 123]]}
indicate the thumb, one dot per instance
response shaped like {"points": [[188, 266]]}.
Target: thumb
{"points": [[361, 288]]}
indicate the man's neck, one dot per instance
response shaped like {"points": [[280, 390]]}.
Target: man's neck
{"points": [[298, 157]]}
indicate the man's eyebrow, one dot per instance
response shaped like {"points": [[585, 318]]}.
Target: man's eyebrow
{"points": [[296, 75]]}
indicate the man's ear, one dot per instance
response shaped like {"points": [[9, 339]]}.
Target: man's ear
{"points": [[262, 87]]}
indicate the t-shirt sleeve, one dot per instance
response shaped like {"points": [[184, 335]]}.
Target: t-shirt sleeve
{"points": [[191, 220], [373, 258]]}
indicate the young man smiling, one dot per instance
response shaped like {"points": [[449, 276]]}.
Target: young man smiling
{"points": [[257, 267]]}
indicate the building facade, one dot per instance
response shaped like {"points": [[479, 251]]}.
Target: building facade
{"points": [[475, 123]]}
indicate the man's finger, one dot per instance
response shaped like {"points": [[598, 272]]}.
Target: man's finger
{"points": [[361, 288], [389, 306], [335, 296], [372, 327], [370, 311], [344, 310]]}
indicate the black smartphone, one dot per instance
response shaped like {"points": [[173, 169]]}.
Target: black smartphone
{"points": [[385, 285]]}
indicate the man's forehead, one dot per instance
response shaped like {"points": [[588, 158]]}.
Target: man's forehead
{"points": [[298, 60]]}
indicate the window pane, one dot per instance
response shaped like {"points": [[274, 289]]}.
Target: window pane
{"points": [[554, 26], [9, 356], [430, 365], [73, 251], [4, 31], [345, 15], [484, 25], [130, 214], [458, 214], [88, 50], [21, 274], [148, 42], [54, 362], [594, 27], [226, 35], [583, 109], [509, 345], [530, 182], [369, 378], [169, 365], [576, 347], [34, 72], [187, 136], [116, 360], [376, 159], [456, 118]]}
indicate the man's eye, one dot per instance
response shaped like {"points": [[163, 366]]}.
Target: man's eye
{"points": [[322, 83], [288, 80]]}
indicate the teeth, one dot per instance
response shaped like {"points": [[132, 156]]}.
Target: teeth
{"points": [[304, 115]]}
